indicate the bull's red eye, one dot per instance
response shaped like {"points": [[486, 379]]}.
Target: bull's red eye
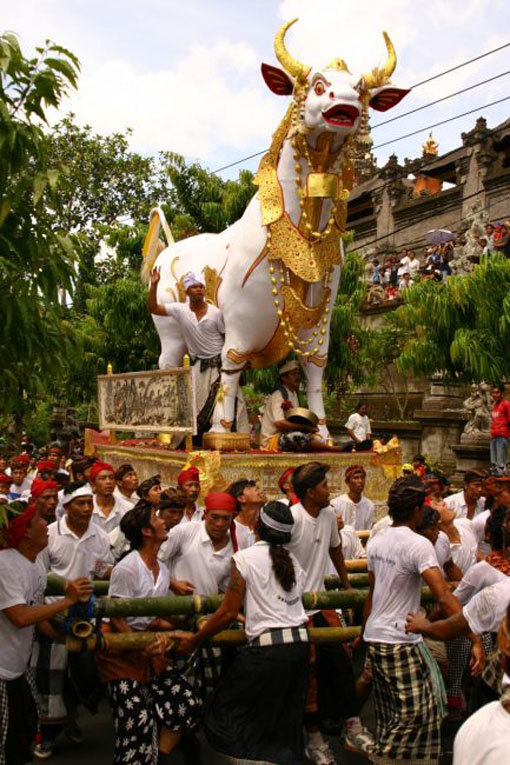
{"points": [[319, 88]]}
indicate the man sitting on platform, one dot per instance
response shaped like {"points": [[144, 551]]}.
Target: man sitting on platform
{"points": [[277, 433], [203, 333]]}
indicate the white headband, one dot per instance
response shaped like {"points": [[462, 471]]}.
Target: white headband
{"points": [[82, 491], [190, 280], [266, 519]]}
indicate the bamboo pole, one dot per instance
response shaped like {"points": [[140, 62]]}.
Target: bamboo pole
{"points": [[55, 585], [358, 566], [132, 641]]}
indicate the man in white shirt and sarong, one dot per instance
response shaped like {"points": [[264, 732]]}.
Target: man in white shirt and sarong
{"points": [[203, 332]]}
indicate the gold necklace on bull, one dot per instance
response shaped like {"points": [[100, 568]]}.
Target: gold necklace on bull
{"points": [[295, 313]]}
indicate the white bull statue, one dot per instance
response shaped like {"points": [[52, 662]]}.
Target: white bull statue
{"points": [[274, 273]]}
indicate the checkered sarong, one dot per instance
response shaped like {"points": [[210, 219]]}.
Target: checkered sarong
{"points": [[48, 663], [4, 711], [407, 709]]}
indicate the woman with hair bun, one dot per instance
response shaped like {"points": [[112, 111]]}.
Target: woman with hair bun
{"points": [[256, 711]]}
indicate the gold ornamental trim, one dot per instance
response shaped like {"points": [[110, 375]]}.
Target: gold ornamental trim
{"points": [[276, 350], [310, 261], [270, 193], [301, 315]]}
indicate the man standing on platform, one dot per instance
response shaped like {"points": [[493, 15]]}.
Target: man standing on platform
{"points": [[188, 482], [500, 430], [359, 428], [355, 509], [203, 333], [332, 687]]}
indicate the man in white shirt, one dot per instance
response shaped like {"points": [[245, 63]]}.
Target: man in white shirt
{"points": [[188, 482], [77, 548], [203, 333], [409, 693], [108, 509], [45, 496], [414, 264], [355, 509], [359, 429], [199, 554], [127, 484], [21, 481], [483, 739], [249, 498], [315, 541], [22, 583], [469, 502]]}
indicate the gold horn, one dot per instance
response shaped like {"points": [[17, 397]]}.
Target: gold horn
{"points": [[380, 76], [295, 68]]}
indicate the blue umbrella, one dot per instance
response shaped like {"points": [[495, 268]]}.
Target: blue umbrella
{"points": [[439, 236]]}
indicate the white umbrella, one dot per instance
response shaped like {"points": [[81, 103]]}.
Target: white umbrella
{"points": [[439, 236]]}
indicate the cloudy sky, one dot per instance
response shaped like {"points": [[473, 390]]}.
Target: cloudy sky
{"points": [[185, 75]]}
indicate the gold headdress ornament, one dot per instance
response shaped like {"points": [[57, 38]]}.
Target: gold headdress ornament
{"points": [[338, 64], [380, 76], [293, 67]]}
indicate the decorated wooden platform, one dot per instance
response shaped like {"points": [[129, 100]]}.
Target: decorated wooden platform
{"points": [[218, 469]]}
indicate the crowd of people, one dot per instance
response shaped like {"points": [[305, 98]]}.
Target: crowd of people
{"points": [[397, 271], [273, 700]]}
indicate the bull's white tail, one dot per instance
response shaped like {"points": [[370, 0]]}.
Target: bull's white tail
{"points": [[153, 245]]}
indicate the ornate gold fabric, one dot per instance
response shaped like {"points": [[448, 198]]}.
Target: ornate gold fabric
{"points": [[308, 260], [301, 316]]}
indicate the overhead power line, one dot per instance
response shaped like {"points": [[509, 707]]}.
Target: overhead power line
{"points": [[417, 85]]}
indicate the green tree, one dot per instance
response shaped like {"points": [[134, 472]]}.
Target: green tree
{"points": [[459, 328], [36, 258]]}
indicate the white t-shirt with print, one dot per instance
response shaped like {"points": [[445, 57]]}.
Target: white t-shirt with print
{"points": [[131, 578], [22, 582], [310, 543], [485, 611], [477, 578], [484, 738], [358, 514], [360, 425], [267, 605], [397, 557]]}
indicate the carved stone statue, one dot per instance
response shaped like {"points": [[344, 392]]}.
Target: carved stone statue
{"points": [[478, 408]]}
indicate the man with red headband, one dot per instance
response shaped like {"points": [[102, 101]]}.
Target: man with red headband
{"points": [[21, 482], [188, 482], [108, 509], [198, 554], [44, 494], [286, 488], [22, 583]]}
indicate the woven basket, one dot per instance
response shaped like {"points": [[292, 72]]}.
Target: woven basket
{"points": [[226, 442]]}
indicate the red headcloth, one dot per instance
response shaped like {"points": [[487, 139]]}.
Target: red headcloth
{"points": [[39, 486], [220, 500], [21, 459], [14, 531], [285, 477], [5, 480], [191, 474], [46, 465], [98, 467]]}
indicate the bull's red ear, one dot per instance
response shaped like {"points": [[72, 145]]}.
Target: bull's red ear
{"points": [[277, 80], [386, 98]]}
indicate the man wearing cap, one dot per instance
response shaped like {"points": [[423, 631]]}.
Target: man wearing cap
{"points": [[23, 536], [76, 548], [203, 333], [355, 509], [108, 509], [277, 433], [188, 482], [468, 502]]}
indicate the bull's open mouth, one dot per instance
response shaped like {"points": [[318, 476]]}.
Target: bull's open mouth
{"points": [[341, 115]]}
